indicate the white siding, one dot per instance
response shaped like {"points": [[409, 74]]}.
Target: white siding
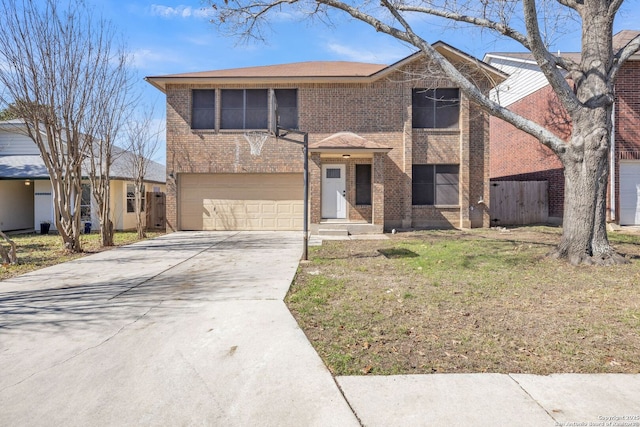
{"points": [[524, 79], [15, 144]]}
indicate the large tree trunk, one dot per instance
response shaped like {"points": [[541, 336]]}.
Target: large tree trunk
{"points": [[584, 238]]}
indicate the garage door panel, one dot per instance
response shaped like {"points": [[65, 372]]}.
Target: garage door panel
{"points": [[240, 202], [630, 193]]}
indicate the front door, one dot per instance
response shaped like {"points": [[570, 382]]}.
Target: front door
{"points": [[334, 201]]}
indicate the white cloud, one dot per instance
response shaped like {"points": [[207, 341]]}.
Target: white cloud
{"points": [[181, 11], [382, 55]]}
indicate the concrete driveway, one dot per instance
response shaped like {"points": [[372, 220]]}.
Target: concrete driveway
{"points": [[188, 328]]}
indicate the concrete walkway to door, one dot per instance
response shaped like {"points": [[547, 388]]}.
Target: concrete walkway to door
{"points": [[188, 328]]}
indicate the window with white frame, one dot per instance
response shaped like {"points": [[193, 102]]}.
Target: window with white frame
{"points": [[131, 198], [85, 203]]}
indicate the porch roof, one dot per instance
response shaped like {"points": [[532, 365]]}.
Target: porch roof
{"points": [[347, 141], [32, 167], [22, 167]]}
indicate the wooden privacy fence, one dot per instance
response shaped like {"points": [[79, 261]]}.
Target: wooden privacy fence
{"points": [[156, 211], [519, 202]]}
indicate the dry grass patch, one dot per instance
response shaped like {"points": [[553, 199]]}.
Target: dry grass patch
{"points": [[37, 251], [472, 301]]}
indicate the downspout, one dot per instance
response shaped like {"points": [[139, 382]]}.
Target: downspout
{"points": [[612, 165]]}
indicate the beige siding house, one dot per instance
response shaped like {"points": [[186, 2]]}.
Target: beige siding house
{"points": [[26, 193], [390, 146]]}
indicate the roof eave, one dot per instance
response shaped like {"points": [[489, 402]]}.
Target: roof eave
{"points": [[162, 82]]}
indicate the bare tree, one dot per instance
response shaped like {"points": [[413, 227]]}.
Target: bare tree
{"points": [[588, 99], [143, 143], [113, 102], [55, 61]]}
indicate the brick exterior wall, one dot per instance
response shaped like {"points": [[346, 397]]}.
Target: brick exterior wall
{"points": [[516, 156], [379, 112]]}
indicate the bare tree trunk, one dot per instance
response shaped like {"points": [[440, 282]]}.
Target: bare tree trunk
{"points": [[10, 256], [584, 238], [140, 223], [106, 225]]}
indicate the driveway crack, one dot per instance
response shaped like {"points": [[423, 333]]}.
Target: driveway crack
{"points": [[148, 279], [80, 353]]}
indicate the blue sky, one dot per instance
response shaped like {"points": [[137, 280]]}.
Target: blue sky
{"points": [[176, 37]]}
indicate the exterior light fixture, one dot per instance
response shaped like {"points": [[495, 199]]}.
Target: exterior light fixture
{"points": [[346, 156], [27, 182]]}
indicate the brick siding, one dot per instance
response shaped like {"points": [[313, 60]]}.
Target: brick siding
{"points": [[517, 156], [379, 112]]}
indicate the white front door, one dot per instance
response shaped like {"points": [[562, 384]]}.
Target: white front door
{"points": [[334, 200]]}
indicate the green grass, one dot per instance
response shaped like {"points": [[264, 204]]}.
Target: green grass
{"points": [[474, 301], [37, 251]]}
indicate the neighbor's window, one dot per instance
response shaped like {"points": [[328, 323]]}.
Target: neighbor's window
{"points": [[435, 185], [85, 203], [244, 109], [363, 184], [131, 199], [287, 108], [203, 109], [436, 108]]}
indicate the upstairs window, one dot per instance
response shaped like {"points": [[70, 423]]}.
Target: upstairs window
{"points": [[203, 109], [436, 108], [244, 109], [435, 185], [287, 108]]}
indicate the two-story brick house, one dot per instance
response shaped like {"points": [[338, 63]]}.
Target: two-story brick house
{"points": [[390, 146], [517, 156]]}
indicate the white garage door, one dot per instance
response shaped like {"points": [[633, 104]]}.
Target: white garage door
{"points": [[240, 201], [630, 193]]}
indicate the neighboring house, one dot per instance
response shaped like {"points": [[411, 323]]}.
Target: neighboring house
{"points": [[394, 146], [516, 156], [26, 196]]}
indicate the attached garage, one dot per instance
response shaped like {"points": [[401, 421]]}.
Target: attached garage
{"points": [[240, 201], [629, 193]]}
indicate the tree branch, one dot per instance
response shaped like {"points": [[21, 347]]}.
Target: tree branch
{"points": [[503, 29], [468, 88], [623, 55], [573, 4], [547, 62]]}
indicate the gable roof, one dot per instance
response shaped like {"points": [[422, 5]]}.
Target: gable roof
{"points": [[31, 166], [619, 41], [316, 71]]}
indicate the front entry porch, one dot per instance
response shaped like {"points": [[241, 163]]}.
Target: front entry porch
{"points": [[346, 178], [343, 227]]}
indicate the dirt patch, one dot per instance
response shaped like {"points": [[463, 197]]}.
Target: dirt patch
{"points": [[468, 301]]}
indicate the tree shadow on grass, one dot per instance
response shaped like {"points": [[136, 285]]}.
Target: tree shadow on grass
{"points": [[392, 253]]}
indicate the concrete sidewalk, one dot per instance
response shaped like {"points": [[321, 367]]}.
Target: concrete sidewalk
{"points": [[191, 328]]}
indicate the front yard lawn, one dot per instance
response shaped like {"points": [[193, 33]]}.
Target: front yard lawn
{"points": [[37, 251], [468, 301]]}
